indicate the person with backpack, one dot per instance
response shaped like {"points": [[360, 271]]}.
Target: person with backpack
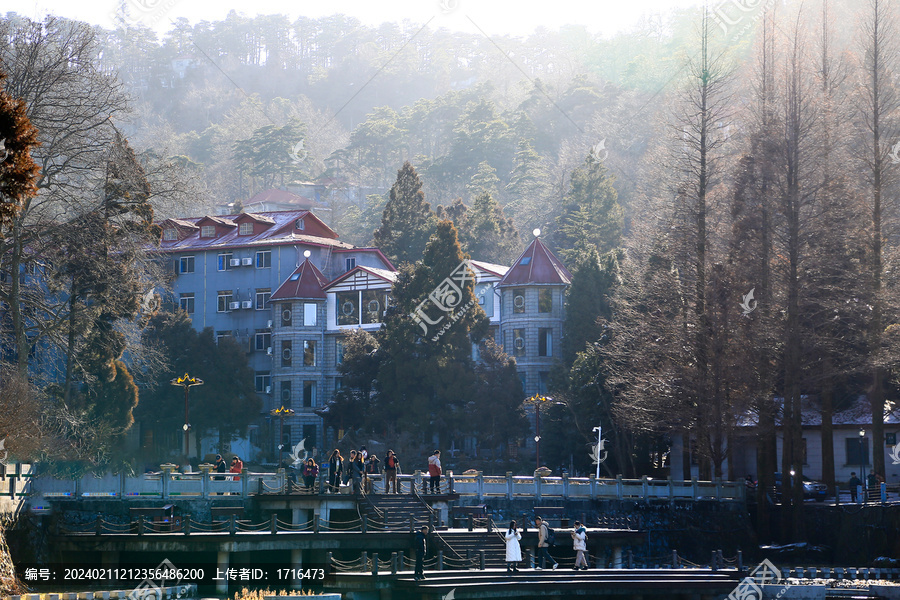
{"points": [[546, 537], [391, 466], [579, 544]]}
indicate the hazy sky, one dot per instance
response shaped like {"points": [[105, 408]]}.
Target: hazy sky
{"points": [[492, 16]]}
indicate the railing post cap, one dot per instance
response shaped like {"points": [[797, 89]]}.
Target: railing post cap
{"points": [[205, 467], [168, 467]]}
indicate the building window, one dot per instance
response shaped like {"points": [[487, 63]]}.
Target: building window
{"points": [[518, 301], [518, 342], [524, 380], [170, 234], [361, 307], [309, 434], [300, 224], [286, 315], [543, 381], [208, 231], [309, 393], [286, 436], [338, 352], [545, 342], [263, 340], [309, 314], [246, 228], [349, 263], [309, 353], [372, 306], [264, 259], [263, 382], [186, 302], [338, 383], [286, 353], [221, 335], [224, 263], [186, 264], [857, 452], [286, 394], [347, 308], [545, 300], [262, 298], [224, 299]]}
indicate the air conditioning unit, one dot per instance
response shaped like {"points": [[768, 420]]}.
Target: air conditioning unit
{"points": [[268, 389], [235, 262], [269, 350], [234, 305], [247, 262], [247, 304], [269, 324]]}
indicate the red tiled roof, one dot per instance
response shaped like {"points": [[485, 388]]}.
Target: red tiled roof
{"points": [[283, 231], [306, 283], [537, 265]]}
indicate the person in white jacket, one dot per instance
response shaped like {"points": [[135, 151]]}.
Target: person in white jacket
{"points": [[579, 543], [513, 550]]}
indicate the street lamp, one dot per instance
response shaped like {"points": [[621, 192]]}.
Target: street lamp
{"points": [[281, 413], [186, 382], [536, 400]]}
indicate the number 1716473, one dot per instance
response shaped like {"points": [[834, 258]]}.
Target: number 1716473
{"points": [[301, 574]]}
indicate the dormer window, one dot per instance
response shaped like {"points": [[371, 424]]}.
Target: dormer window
{"points": [[208, 231], [300, 224], [246, 229], [170, 234]]}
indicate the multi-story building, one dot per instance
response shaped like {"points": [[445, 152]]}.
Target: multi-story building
{"points": [[226, 271], [283, 285]]}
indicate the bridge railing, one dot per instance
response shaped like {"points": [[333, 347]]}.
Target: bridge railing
{"points": [[172, 484], [646, 488]]}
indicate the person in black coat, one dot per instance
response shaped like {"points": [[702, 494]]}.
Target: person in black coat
{"points": [[335, 468], [421, 548], [220, 467]]}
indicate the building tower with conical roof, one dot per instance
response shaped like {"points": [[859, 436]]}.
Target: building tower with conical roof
{"points": [[532, 295]]}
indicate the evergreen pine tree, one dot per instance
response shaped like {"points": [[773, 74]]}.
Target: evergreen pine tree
{"points": [[407, 220]]}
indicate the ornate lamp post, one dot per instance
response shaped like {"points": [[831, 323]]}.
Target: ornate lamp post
{"points": [[186, 382], [281, 413]]}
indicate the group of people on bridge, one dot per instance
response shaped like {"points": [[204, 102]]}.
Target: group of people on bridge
{"points": [[358, 471]]}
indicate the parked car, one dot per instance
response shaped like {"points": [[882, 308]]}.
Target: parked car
{"points": [[812, 490]]}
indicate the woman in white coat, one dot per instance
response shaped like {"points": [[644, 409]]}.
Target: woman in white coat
{"points": [[579, 544], [513, 550]]}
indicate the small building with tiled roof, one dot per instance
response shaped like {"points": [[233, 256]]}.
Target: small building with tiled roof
{"points": [[532, 304]]}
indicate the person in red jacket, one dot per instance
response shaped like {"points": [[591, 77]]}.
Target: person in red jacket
{"points": [[434, 470]]}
